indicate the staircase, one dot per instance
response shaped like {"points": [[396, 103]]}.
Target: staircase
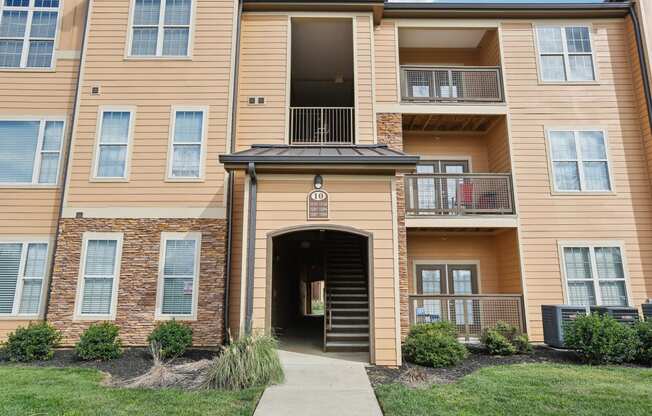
{"points": [[347, 296]]}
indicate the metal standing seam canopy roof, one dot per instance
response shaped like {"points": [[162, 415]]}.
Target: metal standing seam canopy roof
{"points": [[378, 154]]}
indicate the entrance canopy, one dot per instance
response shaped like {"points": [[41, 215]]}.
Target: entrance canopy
{"points": [[361, 157]]}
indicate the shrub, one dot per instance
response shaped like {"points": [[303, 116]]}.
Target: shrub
{"points": [[444, 327], [522, 344], [36, 342], [173, 337], [644, 333], [99, 342], [434, 345], [600, 339], [497, 343], [249, 361]]}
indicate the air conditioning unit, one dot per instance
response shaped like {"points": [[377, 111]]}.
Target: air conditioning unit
{"points": [[647, 310], [554, 319], [622, 314]]}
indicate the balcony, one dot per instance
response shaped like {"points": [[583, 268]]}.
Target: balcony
{"points": [[459, 195], [424, 84], [471, 314], [322, 126]]}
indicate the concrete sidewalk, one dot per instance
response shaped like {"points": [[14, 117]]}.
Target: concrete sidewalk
{"points": [[319, 386]]}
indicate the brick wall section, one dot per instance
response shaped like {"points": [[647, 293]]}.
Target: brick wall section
{"points": [[138, 277], [390, 132]]}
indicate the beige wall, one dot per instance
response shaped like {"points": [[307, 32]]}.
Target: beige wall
{"points": [[364, 203], [153, 86], [545, 218], [386, 61], [237, 242]]}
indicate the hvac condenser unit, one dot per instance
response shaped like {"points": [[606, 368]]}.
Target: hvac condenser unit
{"points": [[554, 319], [622, 314], [647, 311]]}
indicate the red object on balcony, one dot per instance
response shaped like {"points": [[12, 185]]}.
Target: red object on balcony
{"points": [[466, 194]]}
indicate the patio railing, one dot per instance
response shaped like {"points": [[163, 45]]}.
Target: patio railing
{"points": [[322, 126], [451, 84]]}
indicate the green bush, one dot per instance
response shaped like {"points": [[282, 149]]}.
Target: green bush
{"points": [[173, 337], [99, 342], [35, 342], [522, 344], [434, 345], [497, 343], [644, 334], [600, 339], [250, 361]]}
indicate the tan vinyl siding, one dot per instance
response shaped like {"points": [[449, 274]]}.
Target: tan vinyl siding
{"points": [[237, 275], [7, 327], [153, 87], [363, 79], [364, 204], [386, 64], [546, 218], [498, 148]]}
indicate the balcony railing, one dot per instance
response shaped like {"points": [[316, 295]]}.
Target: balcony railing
{"points": [[459, 194], [322, 126], [470, 313], [451, 84]]}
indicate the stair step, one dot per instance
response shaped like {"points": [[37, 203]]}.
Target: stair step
{"points": [[350, 326], [350, 318], [349, 309], [347, 334], [349, 302], [344, 344]]}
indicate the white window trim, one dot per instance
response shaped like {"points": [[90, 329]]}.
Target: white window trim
{"points": [[36, 168], [25, 52], [202, 152], [78, 315], [26, 241], [159, 42], [565, 53], [98, 137], [591, 245], [165, 236], [582, 190]]}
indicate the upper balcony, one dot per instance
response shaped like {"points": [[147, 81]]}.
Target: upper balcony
{"points": [[450, 66]]}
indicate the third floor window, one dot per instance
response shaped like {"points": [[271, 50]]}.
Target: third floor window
{"points": [[565, 53], [27, 32], [161, 28]]}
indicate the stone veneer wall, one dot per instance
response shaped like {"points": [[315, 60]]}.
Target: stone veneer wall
{"points": [[390, 132], [138, 277]]}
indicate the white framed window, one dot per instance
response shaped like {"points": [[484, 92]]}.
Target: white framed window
{"points": [[28, 29], [595, 274], [99, 272], [565, 53], [579, 160], [187, 143], [23, 266], [30, 151], [178, 287], [115, 132], [161, 28]]}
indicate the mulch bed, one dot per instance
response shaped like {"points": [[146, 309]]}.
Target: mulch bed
{"points": [[134, 362], [413, 375]]}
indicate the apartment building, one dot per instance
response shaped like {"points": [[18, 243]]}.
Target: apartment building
{"points": [[216, 161]]}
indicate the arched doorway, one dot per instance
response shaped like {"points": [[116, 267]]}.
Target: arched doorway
{"points": [[319, 294]]}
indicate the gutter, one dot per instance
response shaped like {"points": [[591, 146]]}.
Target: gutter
{"points": [[231, 184], [251, 245], [642, 61], [66, 161]]}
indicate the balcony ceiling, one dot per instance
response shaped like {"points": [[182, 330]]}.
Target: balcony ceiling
{"points": [[462, 123], [440, 38]]}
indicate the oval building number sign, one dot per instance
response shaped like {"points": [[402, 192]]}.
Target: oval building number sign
{"points": [[318, 205]]}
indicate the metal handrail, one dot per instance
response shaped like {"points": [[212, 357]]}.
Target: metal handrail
{"points": [[322, 126], [452, 84]]}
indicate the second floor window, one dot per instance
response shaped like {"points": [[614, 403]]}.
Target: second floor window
{"points": [[113, 144], [161, 28], [30, 151], [565, 53], [579, 161], [187, 145], [27, 32]]}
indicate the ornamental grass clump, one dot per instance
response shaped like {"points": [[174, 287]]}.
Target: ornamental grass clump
{"points": [[249, 361]]}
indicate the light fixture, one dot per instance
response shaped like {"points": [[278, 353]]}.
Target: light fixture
{"points": [[319, 182]]}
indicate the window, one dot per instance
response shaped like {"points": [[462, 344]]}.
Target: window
{"points": [[179, 274], [27, 32], [161, 28], [99, 275], [579, 161], [187, 144], [30, 151], [595, 275], [113, 144], [565, 53], [22, 270]]}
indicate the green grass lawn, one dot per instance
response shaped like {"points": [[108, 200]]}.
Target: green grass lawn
{"points": [[76, 392], [529, 389]]}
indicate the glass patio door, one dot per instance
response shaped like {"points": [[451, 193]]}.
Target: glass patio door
{"points": [[430, 281], [463, 280], [439, 194]]}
